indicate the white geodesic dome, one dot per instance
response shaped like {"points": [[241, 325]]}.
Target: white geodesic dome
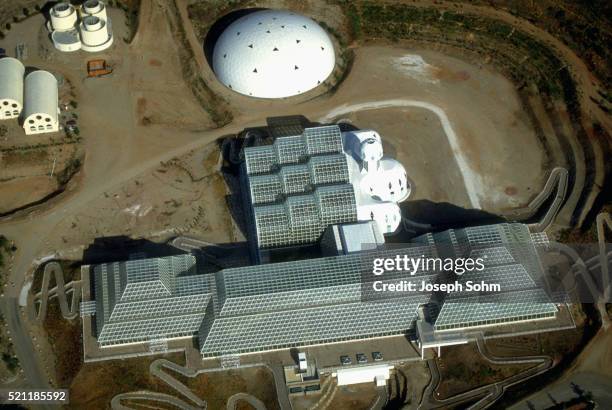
{"points": [[273, 54]]}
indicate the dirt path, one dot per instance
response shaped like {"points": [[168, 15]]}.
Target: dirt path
{"points": [[587, 86]]}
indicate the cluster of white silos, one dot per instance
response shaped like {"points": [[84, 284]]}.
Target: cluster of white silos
{"points": [[87, 28], [35, 99]]}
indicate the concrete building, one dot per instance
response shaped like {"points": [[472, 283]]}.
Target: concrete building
{"points": [[273, 54], [11, 88], [349, 238], [380, 182], [41, 103], [378, 374]]}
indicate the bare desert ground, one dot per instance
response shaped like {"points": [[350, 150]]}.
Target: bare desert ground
{"points": [[493, 131], [184, 196]]}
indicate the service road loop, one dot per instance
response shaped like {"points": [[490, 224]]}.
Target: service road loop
{"points": [[468, 175]]}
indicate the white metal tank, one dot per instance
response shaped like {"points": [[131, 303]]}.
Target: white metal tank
{"points": [[11, 88], [63, 17], [94, 8], [41, 103], [95, 35]]}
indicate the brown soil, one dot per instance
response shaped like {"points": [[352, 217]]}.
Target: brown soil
{"points": [[217, 387], [26, 190], [65, 339], [354, 397], [155, 62], [553, 344], [97, 383], [462, 368], [24, 158]]}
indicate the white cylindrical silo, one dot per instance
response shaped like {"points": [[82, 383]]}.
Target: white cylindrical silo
{"points": [[11, 88], [63, 17], [95, 35], [94, 8], [41, 103]]}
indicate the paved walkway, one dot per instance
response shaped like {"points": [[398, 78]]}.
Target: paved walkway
{"points": [[140, 396], [489, 393], [157, 369], [60, 291]]}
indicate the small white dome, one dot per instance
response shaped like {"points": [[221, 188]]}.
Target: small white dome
{"points": [[371, 150], [388, 182], [273, 54]]}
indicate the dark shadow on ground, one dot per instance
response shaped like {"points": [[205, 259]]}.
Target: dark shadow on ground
{"points": [[46, 8], [210, 257]]}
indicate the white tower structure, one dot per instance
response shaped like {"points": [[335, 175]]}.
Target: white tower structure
{"points": [[94, 8], [41, 103], [11, 88], [95, 34], [63, 17], [273, 54], [380, 182]]}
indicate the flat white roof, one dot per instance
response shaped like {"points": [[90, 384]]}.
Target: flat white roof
{"points": [[363, 374]]}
